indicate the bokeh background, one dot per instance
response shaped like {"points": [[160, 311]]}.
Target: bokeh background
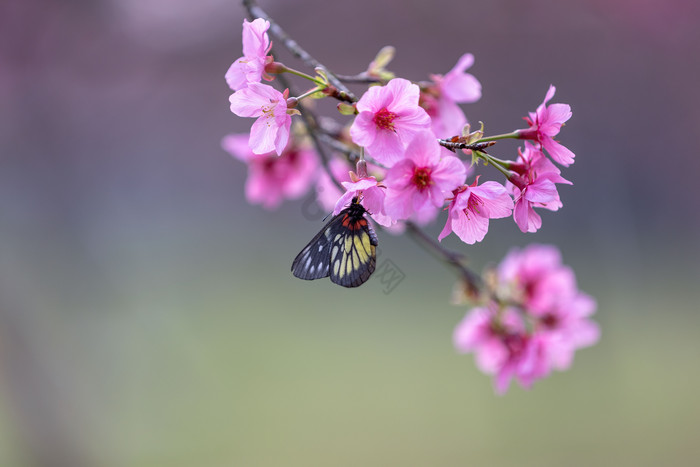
{"points": [[147, 313]]}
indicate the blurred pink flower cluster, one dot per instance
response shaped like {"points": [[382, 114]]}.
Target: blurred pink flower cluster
{"points": [[535, 323], [273, 178]]}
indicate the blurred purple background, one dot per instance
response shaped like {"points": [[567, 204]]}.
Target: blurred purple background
{"points": [[117, 205]]}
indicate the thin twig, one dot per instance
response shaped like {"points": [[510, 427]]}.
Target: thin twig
{"points": [[256, 12], [332, 134], [352, 155], [312, 129], [361, 78], [472, 279], [453, 146]]}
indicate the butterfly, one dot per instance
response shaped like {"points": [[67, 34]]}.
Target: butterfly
{"points": [[344, 249]]}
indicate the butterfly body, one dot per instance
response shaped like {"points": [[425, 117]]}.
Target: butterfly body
{"points": [[344, 249]]}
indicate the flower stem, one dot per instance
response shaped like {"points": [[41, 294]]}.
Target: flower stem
{"points": [[513, 135], [309, 92], [499, 164], [286, 69]]}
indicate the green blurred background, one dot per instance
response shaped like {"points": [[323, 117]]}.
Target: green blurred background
{"points": [[147, 313]]}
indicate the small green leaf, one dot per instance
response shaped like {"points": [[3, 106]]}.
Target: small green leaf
{"points": [[377, 67], [346, 109], [384, 57], [321, 73]]}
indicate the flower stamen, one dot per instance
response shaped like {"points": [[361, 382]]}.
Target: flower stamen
{"points": [[421, 178], [384, 119]]}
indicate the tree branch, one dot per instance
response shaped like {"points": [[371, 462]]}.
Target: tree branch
{"points": [[256, 12], [361, 78], [470, 278], [315, 132], [453, 146], [339, 146]]}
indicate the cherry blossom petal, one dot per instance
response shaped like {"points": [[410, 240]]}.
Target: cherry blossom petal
{"points": [[525, 217], [459, 86], [559, 152], [247, 103], [404, 94], [541, 191], [255, 39], [470, 230], [386, 148]]}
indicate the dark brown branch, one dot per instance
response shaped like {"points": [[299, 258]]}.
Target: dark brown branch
{"points": [[361, 78], [335, 93], [256, 12], [339, 146], [453, 146], [313, 130], [470, 278]]}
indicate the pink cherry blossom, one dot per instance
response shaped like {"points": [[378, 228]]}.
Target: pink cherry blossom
{"points": [[501, 346], [250, 68], [472, 207], [270, 131], [536, 277], [327, 192], [541, 292], [419, 184], [389, 118], [546, 289], [372, 195], [565, 328], [534, 186], [440, 99], [545, 123], [425, 216], [271, 178], [542, 193], [459, 86]]}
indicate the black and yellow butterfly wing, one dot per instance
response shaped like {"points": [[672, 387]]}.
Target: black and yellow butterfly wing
{"points": [[313, 262], [345, 250]]}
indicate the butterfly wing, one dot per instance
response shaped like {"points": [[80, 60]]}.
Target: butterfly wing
{"points": [[352, 250], [313, 262]]}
